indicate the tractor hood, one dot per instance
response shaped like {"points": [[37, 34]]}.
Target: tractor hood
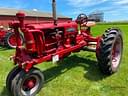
{"points": [[51, 25]]}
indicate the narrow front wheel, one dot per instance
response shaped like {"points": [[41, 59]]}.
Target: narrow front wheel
{"points": [[28, 84]]}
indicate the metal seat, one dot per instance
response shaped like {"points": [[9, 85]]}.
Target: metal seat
{"points": [[89, 24]]}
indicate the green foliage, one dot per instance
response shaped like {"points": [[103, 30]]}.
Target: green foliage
{"points": [[78, 74]]}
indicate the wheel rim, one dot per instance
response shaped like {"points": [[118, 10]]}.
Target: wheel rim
{"points": [[30, 85], [12, 40], [116, 53]]}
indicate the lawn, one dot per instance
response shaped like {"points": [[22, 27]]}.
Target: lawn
{"points": [[78, 74]]}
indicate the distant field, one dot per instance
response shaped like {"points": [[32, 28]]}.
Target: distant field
{"points": [[78, 75], [113, 23]]}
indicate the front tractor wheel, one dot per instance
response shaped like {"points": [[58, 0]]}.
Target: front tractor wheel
{"points": [[110, 49], [10, 40], [11, 76], [28, 84]]}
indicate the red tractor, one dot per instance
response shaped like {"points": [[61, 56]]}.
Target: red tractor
{"points": [[7, 37], [54, 41]]}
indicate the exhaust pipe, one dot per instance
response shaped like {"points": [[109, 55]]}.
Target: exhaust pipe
{"points": [[54, 11]]}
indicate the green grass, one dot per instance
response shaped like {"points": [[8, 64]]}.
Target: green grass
{"points": [[113, 23], [78, 74]]}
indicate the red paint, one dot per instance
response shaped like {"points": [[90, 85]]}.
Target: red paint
{"points": [[44, 40], [29, 84], [5, 19]]}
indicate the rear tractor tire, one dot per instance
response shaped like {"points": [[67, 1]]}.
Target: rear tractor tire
{"points": [[10, 40], [27, 84], [110, 50]]}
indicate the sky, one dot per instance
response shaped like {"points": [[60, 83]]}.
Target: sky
{"points": [[114, 10]]}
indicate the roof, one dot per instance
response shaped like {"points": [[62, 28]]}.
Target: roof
{"points": [[30, 13]]}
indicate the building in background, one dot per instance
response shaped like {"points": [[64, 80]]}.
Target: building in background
{"points": [[8, 15], [97, 16]]}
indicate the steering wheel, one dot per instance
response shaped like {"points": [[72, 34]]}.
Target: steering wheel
{"points": [[82, 19]]}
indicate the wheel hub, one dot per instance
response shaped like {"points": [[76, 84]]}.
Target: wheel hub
{"points": [[12, 40], [29, 84], [116, 53]]}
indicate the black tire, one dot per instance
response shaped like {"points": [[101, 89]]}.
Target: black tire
{"points": [[7, 42], [11, 76], [20, 84], [110, 50]]}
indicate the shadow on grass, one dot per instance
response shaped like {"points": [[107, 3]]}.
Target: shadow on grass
{"points": [[93, 72], [4, 92], [90, 66], [2, 48]]}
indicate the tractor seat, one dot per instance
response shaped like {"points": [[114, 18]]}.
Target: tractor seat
{"points": [[89, 24]]}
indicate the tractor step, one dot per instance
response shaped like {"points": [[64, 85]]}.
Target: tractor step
{"points": [[89, 48], [92, 43]]}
